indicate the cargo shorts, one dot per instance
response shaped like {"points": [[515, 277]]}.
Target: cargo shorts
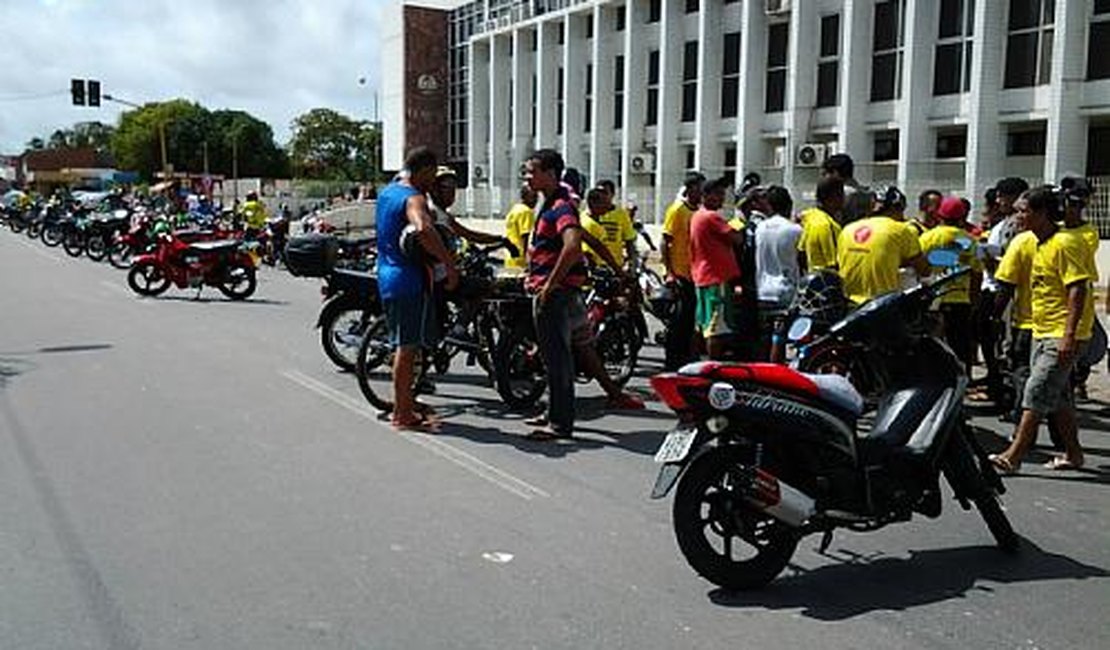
{"points": [[1049, 385]]}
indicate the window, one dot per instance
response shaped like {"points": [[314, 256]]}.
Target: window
{"points": [[653, 89], [1098, 147], [618, 92], [730, 76], [692, 6], [886, 146], [589, 96], [887, 41], [1029, 44], [730, 165], [559, 91], [828, 62], [620, 20], [691, 162], [1098, 63], [952, 64], [778, 40], [590, 28], [690, 82], [655, 11], [562, 33], [952, 144], [1026, 142]]}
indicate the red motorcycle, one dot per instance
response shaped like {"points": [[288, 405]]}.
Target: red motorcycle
{"points": [[225, 264]]}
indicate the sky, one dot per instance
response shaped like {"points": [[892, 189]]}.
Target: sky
{"points": [[275, 59]]}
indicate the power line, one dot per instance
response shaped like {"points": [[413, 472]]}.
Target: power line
{"points": [[33, 96]]}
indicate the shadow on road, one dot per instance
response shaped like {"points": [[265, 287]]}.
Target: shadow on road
{"points": [[857, 585], [216, 300]]}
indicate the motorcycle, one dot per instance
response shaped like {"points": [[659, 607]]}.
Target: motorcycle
{"points": [[351, 302], [224, 264], [613, 314], [102, 231], [658, 298], [764, 455]]}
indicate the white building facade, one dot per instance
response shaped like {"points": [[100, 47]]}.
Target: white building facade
{"points": [[946, 94]]}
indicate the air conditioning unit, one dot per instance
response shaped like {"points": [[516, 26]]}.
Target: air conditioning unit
{"points": [[773, 7], [778, 157], [479, 173], [641, 163], [810, 154]]}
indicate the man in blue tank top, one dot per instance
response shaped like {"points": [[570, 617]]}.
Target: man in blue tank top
{"points": [[404, 280]]}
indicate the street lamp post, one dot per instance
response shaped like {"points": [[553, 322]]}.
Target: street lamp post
{"points": [[161, 132]]}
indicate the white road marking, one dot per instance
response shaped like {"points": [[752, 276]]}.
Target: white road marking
{"points": [[470, 463]]}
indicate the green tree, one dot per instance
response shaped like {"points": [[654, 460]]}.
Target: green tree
{"points": [[329, 145], [94, 135], [190, 129]]}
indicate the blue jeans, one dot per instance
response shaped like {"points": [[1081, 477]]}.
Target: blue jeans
{"points": [[553, 331]]}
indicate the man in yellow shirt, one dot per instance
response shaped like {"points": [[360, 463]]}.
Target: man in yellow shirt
{"points": [[610, 224], [254, 214], [870, 252], [955, 305], [1063, 318], [678, 345], [1075, 193], [820, 230], [1013, 279], [518, 226]]}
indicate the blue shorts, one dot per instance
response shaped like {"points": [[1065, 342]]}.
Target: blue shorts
{"points": [[412, 321]]}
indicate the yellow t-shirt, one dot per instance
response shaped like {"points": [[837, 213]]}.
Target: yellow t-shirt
{"points": [[254, 213], [1059, 262], [870, 252], [1089, 234], [676, 225], [945, 236], [614, 229], [818, 241], [518, 224], [1016, 267]]}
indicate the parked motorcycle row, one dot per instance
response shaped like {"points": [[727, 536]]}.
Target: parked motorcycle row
{"points": [[854, 429], [159, 249]]}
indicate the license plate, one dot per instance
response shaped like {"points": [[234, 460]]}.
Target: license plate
{"points": [[676, 446]]}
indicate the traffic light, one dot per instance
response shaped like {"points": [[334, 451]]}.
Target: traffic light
{"points": [[77, 89], [94, 92]]}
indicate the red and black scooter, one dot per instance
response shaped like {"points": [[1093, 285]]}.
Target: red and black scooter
{"points": [[225, 264], [764, 455]]}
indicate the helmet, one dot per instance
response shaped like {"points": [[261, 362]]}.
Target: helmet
{"points": [[821, 298], [891, 199]]}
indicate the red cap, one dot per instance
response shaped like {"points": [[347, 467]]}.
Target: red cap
{"points": [[952, 208]]}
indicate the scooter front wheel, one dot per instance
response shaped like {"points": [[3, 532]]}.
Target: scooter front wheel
{"points": [[728, 541]]}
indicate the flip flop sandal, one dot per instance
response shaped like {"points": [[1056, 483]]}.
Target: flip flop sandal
{"points": [[1004, 466], [420, 423], [547, 434], [1061, 463]]}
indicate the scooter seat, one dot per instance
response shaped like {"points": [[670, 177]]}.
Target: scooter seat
{"points": [[219, 246], [832, 389]]}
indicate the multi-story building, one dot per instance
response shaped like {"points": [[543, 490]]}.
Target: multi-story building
{"points": [[951, 94]]}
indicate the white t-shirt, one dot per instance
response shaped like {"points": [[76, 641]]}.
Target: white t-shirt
{"points": [[776, 259], [997, 241]]}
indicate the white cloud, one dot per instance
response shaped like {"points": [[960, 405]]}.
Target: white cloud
{"points": [[273, 58]]}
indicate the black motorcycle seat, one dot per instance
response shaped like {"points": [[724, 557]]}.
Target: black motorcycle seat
{"points": [[347, 280], [218, 246], [911, 417], [360, 242]]}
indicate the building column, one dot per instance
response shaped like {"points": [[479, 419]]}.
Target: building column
{"points": [[524, 68], [501, 170], [710, 63], [1066, 142], [855, 76], [604, 49], [635, 77], [750, 150], [985, 144], [801, 83], [669, 162], [575, 58], [478, 108], [547, 71], [915, 147]]}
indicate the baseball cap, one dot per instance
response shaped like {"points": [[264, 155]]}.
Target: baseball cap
{"points": [[952, 208], [444, 171]]}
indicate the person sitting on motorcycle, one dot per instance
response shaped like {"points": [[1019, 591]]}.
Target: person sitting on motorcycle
{"points": [[253, 213], [610, 225], [518, 226]]}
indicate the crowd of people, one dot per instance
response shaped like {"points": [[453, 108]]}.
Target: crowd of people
{"points": [[1027, 305]]}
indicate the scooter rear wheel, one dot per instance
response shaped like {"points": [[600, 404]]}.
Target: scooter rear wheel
{"points": [[710, 514]]}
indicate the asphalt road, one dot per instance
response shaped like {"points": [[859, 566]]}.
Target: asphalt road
{"points": [[194, 474]]}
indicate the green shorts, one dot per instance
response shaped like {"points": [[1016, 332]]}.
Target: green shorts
{"points": [[717, 311]]}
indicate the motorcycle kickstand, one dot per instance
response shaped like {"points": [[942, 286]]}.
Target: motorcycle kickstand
{"points": [[826, 541]]}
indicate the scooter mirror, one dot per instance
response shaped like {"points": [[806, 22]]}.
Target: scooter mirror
{"points": [[944, 257], [800, 329]]}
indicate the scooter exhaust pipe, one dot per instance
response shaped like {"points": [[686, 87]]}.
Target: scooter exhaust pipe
{"points": [[783, 502]]}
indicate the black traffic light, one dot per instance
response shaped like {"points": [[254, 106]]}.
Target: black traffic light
{"points": [[94, 92], [77, 89]]}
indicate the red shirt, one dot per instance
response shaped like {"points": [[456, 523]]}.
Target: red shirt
{"points": [[713, 257]]}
